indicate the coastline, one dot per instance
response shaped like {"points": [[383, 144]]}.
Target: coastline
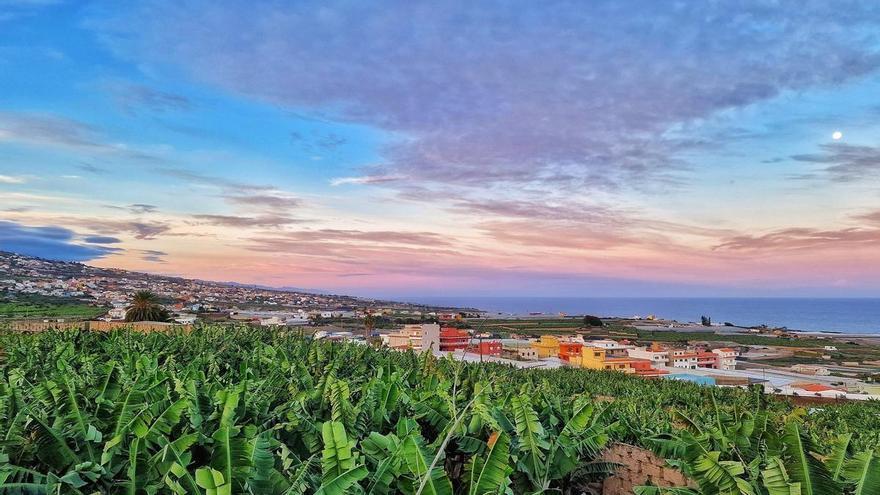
{"points": [[816, 316]]}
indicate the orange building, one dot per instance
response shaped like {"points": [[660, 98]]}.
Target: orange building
{"points": [[490, 348], [643, 367], [707, 359], [569, 350], [452, 339]]}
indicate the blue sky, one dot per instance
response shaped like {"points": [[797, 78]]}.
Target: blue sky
{"points": [[635, 148]]}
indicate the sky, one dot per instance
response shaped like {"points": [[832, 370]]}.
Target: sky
{"points": [[608, 148]]}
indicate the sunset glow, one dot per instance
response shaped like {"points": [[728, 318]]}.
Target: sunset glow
{"points": [[610, 148]]}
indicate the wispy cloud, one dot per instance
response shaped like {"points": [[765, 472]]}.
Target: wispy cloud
{"points": [[801, 238], [50, 242], [43, 129], [134, 98], [246, 222], [872, 217], [136, 208], [142, 230], [845, 162], [11, 179], [274, 201], [366, 179], [101, 239], [153, 256]]}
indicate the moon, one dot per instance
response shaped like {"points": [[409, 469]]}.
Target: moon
{"points": [[836, 135]]}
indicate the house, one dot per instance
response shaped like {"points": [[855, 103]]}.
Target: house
{"points": [[810, 369], [527, 353], [644, 368], [185, 319], [830, 348], [452, 339], [569, 350], [116, 313], [726, 358], [594, 358], [612, 348], [297, 320], [522, 351], [418, 337], [489, 348], [656, 354], [813, 389], [683, 358], [707, 359], [547, 346]]}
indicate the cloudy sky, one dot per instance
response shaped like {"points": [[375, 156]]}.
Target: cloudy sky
{"points": [[449, 148]]}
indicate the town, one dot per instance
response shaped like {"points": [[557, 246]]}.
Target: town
{"points": [[705, 364], [108, 292], [783, 363]]}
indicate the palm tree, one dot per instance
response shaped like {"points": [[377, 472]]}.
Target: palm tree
{"points": [[145, 307], [369, 325]]}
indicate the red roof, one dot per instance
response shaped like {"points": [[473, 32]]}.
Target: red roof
{"points": [[817, 387]]}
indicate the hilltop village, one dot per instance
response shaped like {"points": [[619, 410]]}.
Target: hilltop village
{"points": [[64, 286], [37, 294]]}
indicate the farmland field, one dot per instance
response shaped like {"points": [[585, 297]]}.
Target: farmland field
{"points": [[45, 307], [237, 410]]}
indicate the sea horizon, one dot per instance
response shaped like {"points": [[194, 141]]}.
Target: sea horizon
{"points": [[856, 315]]}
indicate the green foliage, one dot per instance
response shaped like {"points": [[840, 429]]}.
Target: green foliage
{"points": [[145, 307], [229, 410], [592, 321], [34, 306]]}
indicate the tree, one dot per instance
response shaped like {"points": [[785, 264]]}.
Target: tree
{"points": [[592, 321], [369, 325], [706, 321], [145, 307]]}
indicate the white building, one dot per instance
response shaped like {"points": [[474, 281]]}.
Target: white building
{"points": [[185, 319], [656, 354], [418, 337], [726, 358], [297, 320], [683, 358], [116, 314], [811, 369], [830, 348]]}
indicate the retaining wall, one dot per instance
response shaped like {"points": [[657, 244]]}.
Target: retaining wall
{"points": [[639, 466]]}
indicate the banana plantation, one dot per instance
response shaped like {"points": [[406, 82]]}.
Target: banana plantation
{"points": [[227, 410]]}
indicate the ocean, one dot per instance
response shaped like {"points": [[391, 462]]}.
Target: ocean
{"points": [[831, 315]]}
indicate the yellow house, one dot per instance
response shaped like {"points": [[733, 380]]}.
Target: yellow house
{"points": [[594, 358], [547, 346]]}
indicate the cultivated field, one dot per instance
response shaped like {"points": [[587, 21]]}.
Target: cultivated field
{"points": [[238, 410]]}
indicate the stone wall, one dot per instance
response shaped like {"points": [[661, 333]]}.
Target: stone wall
{"points": [[139, 326], [39, 325], [638, 466], [97, 326]]}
